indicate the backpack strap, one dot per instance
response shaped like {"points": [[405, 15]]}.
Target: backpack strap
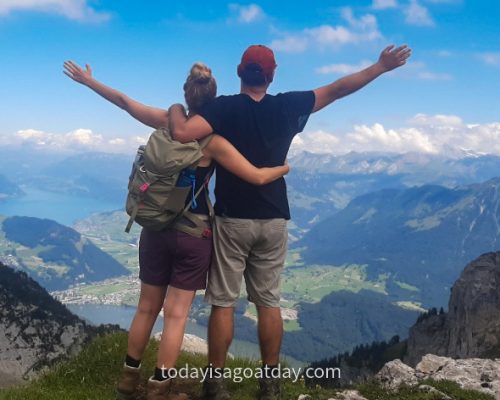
{"points": [[139, 196], [200, 229], [205, 141], [132, 217]]}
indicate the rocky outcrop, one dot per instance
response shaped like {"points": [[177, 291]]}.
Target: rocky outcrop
{"points": [[345, 395], [482, 375], [192, 344], [36, 329], [396, 373], [471, 327]]}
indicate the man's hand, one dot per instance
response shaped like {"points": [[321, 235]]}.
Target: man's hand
{"points": [[392, 57], [78, 74]]}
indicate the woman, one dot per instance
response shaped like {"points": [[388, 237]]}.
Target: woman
{"points": [[173, 264]]}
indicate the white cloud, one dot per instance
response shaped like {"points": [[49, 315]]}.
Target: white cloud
{"points": [[419, 70], [444, 53], [357, 30], [384, 4], [75, 141], [446, 135], [417, 14], [77, 10], [290, 44], [248, 13], [436, 120], [433, 76], [343, 68], [491, 58], [315, 142]]}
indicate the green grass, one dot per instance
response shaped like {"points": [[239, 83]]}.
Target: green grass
{"points": [[94, 372], [92, 375], [406, 286], [291, 325], [314, 282]]}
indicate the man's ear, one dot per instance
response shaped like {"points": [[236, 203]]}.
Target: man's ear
{"points": [[272, 77], [238, 70]]}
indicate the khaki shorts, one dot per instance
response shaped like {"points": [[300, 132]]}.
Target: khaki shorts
{"points": [[254, 249]]}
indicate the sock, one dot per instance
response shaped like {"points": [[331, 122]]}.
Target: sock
{"points": [[164, 374], [132, 362]]}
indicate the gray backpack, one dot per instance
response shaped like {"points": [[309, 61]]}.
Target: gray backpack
{"points": [[161, 180]]}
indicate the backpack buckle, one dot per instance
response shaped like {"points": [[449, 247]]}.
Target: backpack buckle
{"points": [[207, 233]]}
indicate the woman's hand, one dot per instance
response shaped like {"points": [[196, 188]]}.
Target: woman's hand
{"points": [[83, 76], [150, 116]]}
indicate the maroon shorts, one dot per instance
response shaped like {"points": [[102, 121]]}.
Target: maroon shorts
{"points": [[174, 258]]}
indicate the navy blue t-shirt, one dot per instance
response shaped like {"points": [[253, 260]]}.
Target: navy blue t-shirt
{"points": [[262, 131]]}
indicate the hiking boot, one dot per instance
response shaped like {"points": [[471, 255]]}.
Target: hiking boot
{"points": [[161, 390], [270, 389], [214, 389], [127, 385]]}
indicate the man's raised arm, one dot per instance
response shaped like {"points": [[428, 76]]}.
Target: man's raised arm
{"points": [[186, 130], [389, 59]]}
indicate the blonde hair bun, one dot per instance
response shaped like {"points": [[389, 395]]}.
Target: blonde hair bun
{"points": [[200, 86], [200, 73]]}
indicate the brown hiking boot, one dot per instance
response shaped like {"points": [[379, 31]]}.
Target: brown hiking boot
{"points": [[270, 389], [214, 389], [161, 390], [127, 385]]}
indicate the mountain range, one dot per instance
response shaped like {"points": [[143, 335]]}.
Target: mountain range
{"points": [[419, 236], [319, 184], [55, 255]]}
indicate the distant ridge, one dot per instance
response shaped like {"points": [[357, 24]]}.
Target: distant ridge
{"points": [[55, 255], [420, 236]]}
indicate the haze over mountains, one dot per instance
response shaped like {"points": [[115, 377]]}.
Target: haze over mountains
{"points": [[319, 184], [381, 230]]}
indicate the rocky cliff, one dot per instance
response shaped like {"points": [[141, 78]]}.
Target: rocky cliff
{"points": [[36, 329], [471, 327]]}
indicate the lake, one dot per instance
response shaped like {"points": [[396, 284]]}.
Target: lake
{"points": [[122, 315], [60, 207]]}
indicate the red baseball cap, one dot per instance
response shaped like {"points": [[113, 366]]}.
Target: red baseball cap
{"points": [[261, 56]]}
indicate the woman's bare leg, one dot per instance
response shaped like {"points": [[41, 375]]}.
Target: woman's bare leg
{"points": [[150, 303], [175, 313]]}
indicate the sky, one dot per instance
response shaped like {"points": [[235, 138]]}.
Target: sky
{"points": [[444, 100]]}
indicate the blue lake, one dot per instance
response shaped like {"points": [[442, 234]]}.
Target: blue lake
{"points": [[63, 208], [123, 315]]}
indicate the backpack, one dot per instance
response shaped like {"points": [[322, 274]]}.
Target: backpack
{"points": [[161, 180]]}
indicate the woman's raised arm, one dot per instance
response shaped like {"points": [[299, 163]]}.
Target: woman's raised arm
{"points": [[150, 116], [231, 159]]}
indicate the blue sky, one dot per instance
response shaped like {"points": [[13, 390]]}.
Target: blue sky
{"points": [[447, 96]]}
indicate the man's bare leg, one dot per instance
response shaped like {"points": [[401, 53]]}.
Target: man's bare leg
{"points": [[220, 335], [270, 329]]}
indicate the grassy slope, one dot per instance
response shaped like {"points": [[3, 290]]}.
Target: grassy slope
{"points": [[94, 372]]}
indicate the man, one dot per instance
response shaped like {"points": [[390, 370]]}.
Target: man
{"points": [[250, 233]]}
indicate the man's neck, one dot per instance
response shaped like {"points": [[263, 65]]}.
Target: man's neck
{"points": [[255, 92]]}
